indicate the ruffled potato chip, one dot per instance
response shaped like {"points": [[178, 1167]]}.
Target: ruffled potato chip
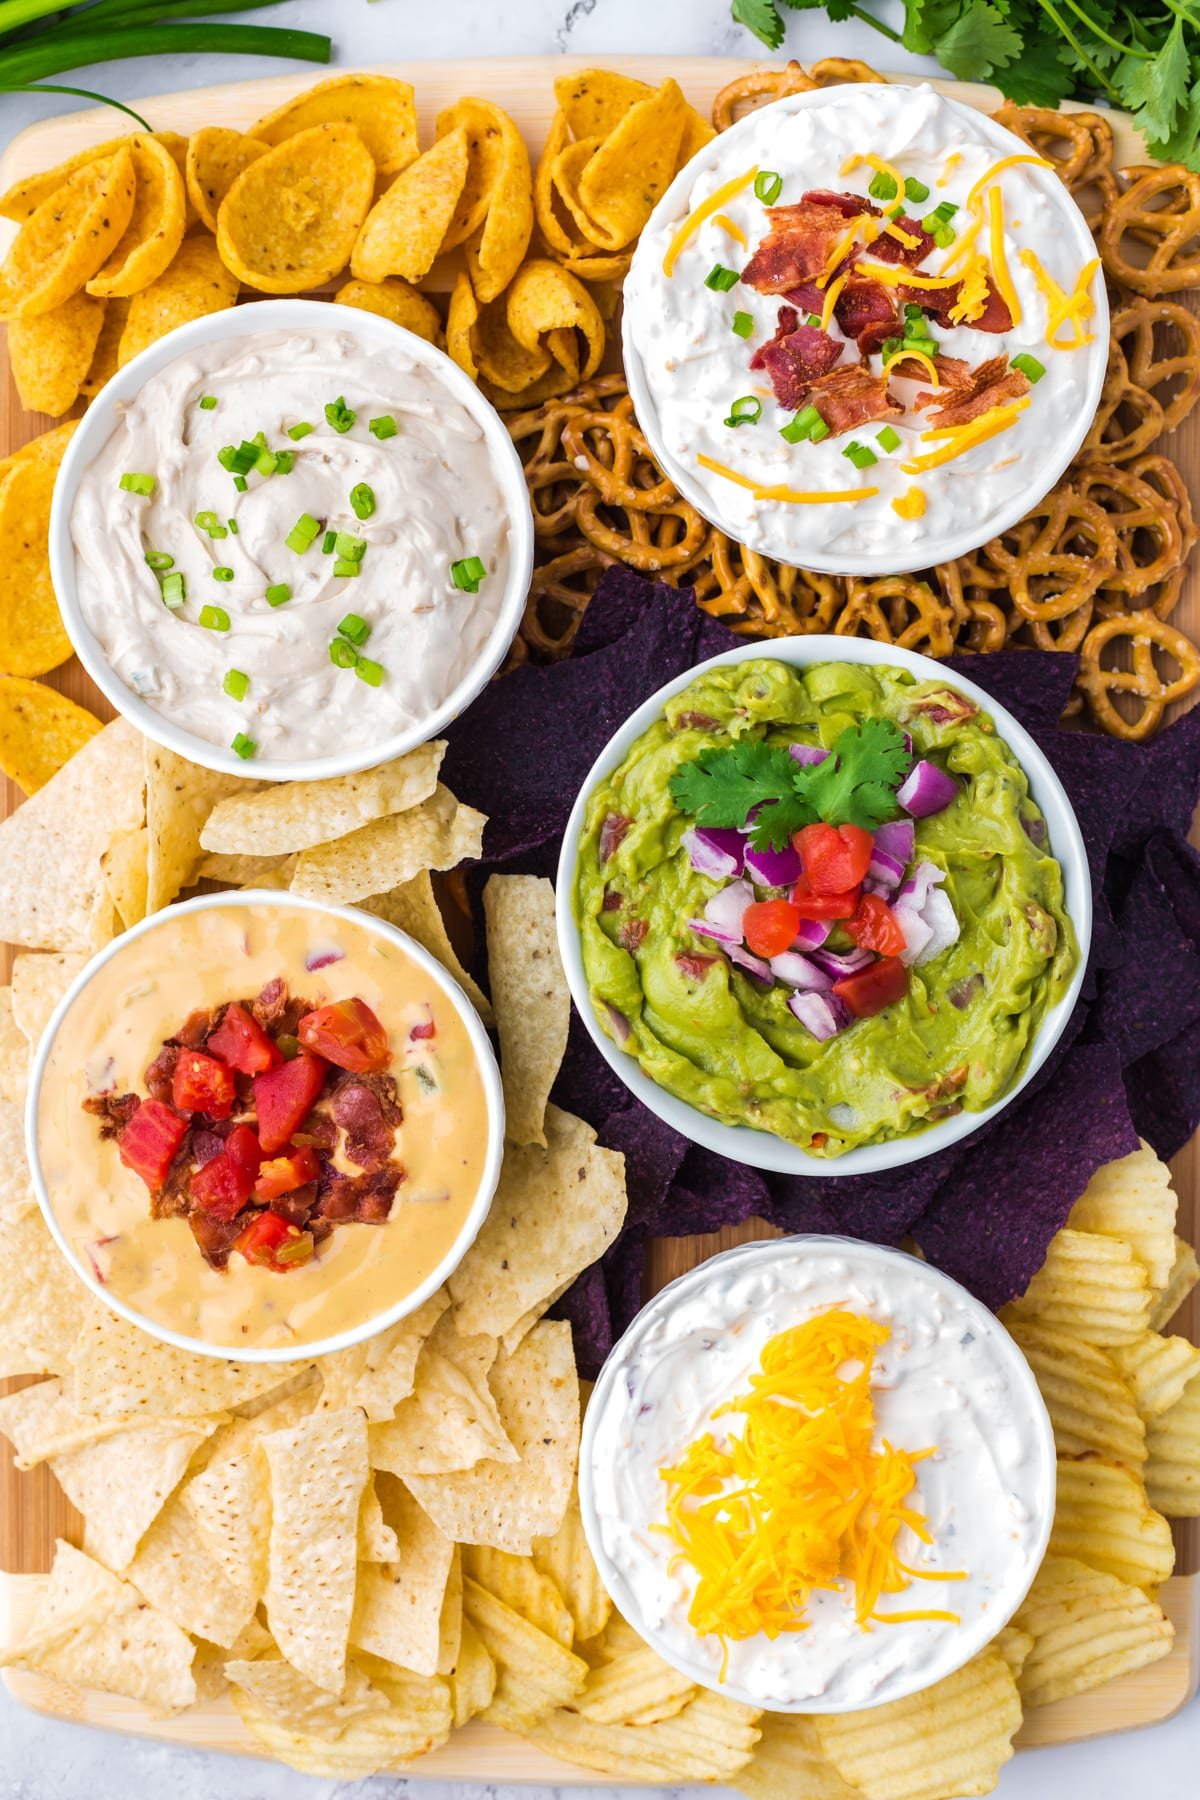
{"points": [[71, 235], [290, 220], [32, 639], [40, 730], [631, 170], [155, 229], [196, 283], [398, 301], [216, 157], [497, 199], [406, 229], [106, 356], [381, 109], [52, 353]]}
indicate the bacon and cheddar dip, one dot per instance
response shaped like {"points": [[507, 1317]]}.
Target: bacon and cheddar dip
{"points": [[261, 1125], [866, 328]]}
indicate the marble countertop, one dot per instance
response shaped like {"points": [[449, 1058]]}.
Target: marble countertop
{"points": [[43, 1759]]}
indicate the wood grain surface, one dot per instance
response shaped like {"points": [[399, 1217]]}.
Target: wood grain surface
{"points": [[33, 1510]]}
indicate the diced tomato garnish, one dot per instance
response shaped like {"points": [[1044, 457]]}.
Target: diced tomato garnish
{"points": [[150, 1140], [273, 1243], [201, 1084], [347, 1033], [284, 1097], [283, 1174], [245, 1150], [240, 1041], [222, 1187], [868, 992], [835, 857], [769, 926], [824, 906], [875, 927]]}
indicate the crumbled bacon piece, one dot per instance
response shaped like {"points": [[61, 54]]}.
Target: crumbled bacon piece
{"points": [[160, 1074], [889, 249], [941, 302], [366, 1199], [795, 357], [195, 1029], [808, 296], [215, 1236], [850, 397], [866, 312], [851, 206], [113, 1110], [991, 384], [798, 245], [368, 1111]]}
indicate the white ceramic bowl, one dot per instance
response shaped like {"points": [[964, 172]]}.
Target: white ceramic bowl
{"points": [[97, 425], [761, 1149], [608, 1424], [725, 157], [488, 1072]]}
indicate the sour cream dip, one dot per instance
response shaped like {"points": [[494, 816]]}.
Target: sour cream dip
{"points": [[948, 1377], [333, 591], [915, 489]]}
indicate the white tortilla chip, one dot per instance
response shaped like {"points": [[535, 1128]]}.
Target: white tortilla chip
{"points": [[121, 1369], [43, 1305], [531, 997], [378, 1374], [40, 1422], [38, 984], [398, 1606], [413, 908], [176, 1573], [122, 1482], [229, 1503], [14, 1054], [438, 834], [179, 797], [17, 1198], [294, 815], [376, 1539]]}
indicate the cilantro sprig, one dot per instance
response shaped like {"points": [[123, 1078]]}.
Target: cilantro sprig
{"points": [[1039, 52], [855, 785]]}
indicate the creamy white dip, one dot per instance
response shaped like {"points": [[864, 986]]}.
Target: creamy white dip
{"points": [[438, 500], [681, 346], [949, 1376]]}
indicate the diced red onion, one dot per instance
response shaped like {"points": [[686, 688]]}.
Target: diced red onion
{"points": [[923, 879], [886, 869], [811, 934], [620, 1024], [939, 914], [807, 754], [773, 868], [925, 915], [727, 907], [717, 854], [754, 966], [897, 838], [797, 971], [823, 1015], [322, 956], [926, 789], [719, 934], [917, 933], [879, 888], [837, 965]]}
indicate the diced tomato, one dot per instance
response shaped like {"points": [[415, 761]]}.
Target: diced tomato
{"points": [[222, 1187], [835, 857], [245, 1150], [201, 1084], [283, 1174], [346, 1033], [868, 992], [240, 1041], [875, 927], [150, 1140], [769, 926], [273, 1243], [824, 906], [284, 1097]]}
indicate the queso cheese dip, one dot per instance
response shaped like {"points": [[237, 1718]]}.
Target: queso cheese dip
{"points": [[176, 982]]}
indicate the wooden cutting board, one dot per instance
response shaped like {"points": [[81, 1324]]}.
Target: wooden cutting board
{"points": [[33, 1510]]}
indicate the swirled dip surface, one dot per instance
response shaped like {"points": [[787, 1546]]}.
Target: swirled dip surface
{"points": [[437, 500]]}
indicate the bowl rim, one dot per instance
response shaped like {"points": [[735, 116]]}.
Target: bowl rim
{"points": [[480, 1206], [255, 317], [863, 562], [761, 1149], [1028, 1406]]}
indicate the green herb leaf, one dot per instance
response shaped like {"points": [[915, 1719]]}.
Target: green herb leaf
{"points": [[857, 784], [723, 786], [762, 18], [1157, 88], [980, 41]]}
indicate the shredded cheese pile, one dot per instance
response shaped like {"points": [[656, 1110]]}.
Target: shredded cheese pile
{"points": [[716, 200], [1073, 309], [801, 1499]]}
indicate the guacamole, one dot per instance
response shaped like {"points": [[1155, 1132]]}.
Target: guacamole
{"points": [[729, 1032]]}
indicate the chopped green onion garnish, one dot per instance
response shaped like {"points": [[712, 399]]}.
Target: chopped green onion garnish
{"points": [[214, 618], [813, 319], [355, 628], [208, 521], [820, 430], [887, 439], [794, 432], [721, 279], [285, 461], [222, 572], [1029, 365], [339, 415], [266, 462], [158, 559], [245, 746], [746, 410], [208, 403], [278, 592], [944, 236], [362, 499], [383, 427], [241, 459], [327, 543], [345, 567], [768, 186], [138, 484], [802, 426], [342, 654], [882, 186], [945, 210], [302, 430], [233, 526], [743, 324], [352, 548], [915, 190], [467, 574], [859, 455], [890, 347], [368, 671], [240, 483], [174, 590], [302, 533], [236, 684]]}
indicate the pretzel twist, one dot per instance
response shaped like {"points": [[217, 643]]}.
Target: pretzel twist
{"points": [[1160, 212]]}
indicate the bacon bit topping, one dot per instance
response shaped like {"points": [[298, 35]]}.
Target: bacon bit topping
{"points": [[850, 397], [962, 438], [798, 245], [795, 357], [892, 248], [866, 312], [991, 384]]}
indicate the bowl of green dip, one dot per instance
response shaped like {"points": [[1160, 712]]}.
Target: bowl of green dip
{"points": [[745, 1002]]}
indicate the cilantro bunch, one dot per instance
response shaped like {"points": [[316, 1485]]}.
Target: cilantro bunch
{"points": [[1038, 52]]}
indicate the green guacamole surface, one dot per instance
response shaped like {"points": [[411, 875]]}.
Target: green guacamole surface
{"points": [[710, 1035]]}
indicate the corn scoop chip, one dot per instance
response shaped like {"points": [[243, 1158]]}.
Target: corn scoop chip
{"points": [[494, 215], [624, 180], [216, 157], [40, 730], [1089, 1401], [398, 301], [1158, 1369], [405, 229], [381, 109], [70, 236], [50, 354], [594, 101], [1087, 1627], [555, 220], [1173, 1464], [290, 220], [195, 283], [156, 224], [1103, 1518], [106, 356], [32, 638]]}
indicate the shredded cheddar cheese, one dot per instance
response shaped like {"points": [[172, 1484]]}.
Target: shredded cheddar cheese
{"points": [[1072, 309], [865, 229], [964, 245], [899, 275], [800, 1498], [918, 356], [891, 229], [1000, 274], [727, 225], [948, 167], [705, 210], [791, 496], [910, 506], [961, 438], [1006, 162], [831, 299]]}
